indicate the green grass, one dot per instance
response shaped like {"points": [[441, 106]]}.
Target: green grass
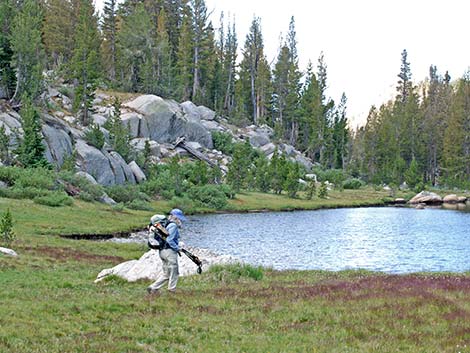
{"points": [[49, 303], [347, 198]]}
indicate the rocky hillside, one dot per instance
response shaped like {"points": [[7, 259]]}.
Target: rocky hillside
{"points": [[150, 118]]}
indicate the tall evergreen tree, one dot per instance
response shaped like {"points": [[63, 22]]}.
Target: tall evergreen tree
{"points": [[119, 135], [281, 89], [436, 106], [58, 31], [184, 74], [340, 135], [109, 27], [200, 31], [31, 148], [164, 56], [7, 73], [137, 52], [294, 86], [252, 56], [85, 64], [456, 152], [28, 50]]}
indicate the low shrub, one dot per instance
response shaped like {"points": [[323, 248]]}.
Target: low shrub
{"points": [[353, 184], [211, 196], [95, 137], [184, 203], [7, 236], [160, 185], [54, 199], [9, 174], [23, 193], [88, 190], [126, 193], [39, 178], [335, 176], [227, 190], [223, 141], [119, 207], [235, 272], [139, 205]]}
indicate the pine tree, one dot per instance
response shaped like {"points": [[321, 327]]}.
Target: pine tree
{"points": [[250, 65], [7, 74], [28, 51], [59, 26], [340, 135], [85, 64], [291, 184], [31, 148], [184, 74], [4, 146], [456, 154], [281, 90], [164, 60], [119, 135], [293, 83], [200, 31], [109, 27], [137, 52], [229, 68], [436, 106], [413, 175]]}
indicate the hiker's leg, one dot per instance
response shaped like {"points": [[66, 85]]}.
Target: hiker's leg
{"points": [[173, 270], [165, 275]]}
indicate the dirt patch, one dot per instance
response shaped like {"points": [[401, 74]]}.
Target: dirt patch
{"points": [[68, 254]]}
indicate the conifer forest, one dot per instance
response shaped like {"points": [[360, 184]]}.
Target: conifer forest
{"points": [[172, 49]]}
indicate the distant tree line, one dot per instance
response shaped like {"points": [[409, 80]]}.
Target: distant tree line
{"points": [[421, 137]]}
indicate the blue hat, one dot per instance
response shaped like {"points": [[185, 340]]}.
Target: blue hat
{"points": [[178, 214]]}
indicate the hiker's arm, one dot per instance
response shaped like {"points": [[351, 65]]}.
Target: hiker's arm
{"points": [[173, 236]]}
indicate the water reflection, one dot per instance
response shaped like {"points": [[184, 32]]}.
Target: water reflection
{"points": [[396, 240]]}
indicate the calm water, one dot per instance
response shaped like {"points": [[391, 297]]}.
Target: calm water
{"points": [[395, 240]]}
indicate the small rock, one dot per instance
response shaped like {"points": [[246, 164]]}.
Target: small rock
{"points": [[8, 252], [451, 198]]}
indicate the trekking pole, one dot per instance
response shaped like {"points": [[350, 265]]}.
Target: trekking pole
{"points": [[194, 259]]}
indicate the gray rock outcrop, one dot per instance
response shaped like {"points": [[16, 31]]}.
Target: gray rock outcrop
{"points": [[163, 121], [138, 173], [107, 168]]}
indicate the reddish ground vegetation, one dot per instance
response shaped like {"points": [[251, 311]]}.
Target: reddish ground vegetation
{"points": [[68, 254]]}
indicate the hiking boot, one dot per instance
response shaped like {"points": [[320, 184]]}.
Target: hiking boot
{"points": [[152, 291]]}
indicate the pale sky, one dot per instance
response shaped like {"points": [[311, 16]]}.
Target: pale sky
{"points": [[362, 40]]}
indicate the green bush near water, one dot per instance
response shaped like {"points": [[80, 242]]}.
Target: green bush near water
{"points": [[236, 272], [353, 184], [54, 199]]}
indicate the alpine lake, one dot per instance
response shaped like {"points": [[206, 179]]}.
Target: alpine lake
{"points": [[385, 239]]}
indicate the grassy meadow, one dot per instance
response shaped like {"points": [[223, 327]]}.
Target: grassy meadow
{"points": [[49, 302]]}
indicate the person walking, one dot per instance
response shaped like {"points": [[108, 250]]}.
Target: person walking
{"points": [[169, 253]]}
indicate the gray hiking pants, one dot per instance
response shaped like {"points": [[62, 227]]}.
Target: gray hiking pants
{"points": [[169, 270]]}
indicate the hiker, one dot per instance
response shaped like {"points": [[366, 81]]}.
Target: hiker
{"points": [[169, 253]]}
